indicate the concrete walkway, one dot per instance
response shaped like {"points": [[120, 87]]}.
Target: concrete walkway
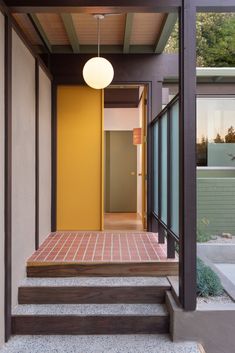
{"points": [[98, 344]]}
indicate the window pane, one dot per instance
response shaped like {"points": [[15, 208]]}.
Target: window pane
{"points": [[155, 166], [164, 168], [174, 143], [216, 132], [216, 149]]}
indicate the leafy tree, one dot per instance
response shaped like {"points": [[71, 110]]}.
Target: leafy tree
{"points": [[215, 39], [230, 137], [218, 139], [202, 151]]}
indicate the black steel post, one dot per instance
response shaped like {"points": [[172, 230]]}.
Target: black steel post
{"points": [[187, 202]]}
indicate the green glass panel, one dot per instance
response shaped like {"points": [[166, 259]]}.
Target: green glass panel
{"points": [[163, 157], [174, 177], [155, 166]]}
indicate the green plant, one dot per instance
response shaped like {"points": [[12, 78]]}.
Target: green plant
{"points": [[215, 39], [208, 283], [202, 234]]}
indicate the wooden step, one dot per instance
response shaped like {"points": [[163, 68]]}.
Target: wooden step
{"points": [[90, 319], [112, 269], [96, 290]]}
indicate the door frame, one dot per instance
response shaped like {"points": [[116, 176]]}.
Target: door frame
{"points": [[148, 156]]}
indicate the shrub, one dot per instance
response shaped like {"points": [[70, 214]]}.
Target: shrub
{"points": [[202, 234], [208, 283]]}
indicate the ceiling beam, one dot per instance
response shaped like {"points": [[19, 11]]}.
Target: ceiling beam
{"points": [[93, 6], [166, 30], [107, 6], [71, 32], [105, 49], [40, 31], [127, 34]]}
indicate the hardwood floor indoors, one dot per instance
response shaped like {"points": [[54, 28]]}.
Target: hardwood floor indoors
{"points": [[123, 221]]}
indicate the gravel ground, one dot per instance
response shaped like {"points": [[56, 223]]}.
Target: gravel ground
{"points": [[222, 240], [221, 299], [98, 344]]}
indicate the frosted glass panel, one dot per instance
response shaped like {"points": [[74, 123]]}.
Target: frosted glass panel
{"points": [[174, 178], [221, 154], [155, 166], [164, 168]]}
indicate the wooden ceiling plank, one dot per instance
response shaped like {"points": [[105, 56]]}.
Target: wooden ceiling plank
{"points": [[165, 33], [71, 32], [127, 34], [40, 31]]}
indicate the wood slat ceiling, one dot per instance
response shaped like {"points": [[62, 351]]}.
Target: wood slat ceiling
{"points": [[112, 29], [54, 28], [146, 28], [117, 31]]}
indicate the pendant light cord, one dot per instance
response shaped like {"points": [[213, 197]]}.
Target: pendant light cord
{"points": [[98, 35]]}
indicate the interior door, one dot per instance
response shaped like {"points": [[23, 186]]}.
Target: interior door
{"points": [[121, 169], [79, 158]]}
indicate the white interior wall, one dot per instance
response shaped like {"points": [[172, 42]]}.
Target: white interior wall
{"points": [[1, 179], [44, 155], [125, 119], [23, 160], [121, 119]]}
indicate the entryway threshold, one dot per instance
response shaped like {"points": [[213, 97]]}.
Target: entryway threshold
{"points": [[69, 254]]}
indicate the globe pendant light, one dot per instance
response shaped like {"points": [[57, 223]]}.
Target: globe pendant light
{"points": [[98, 72]]}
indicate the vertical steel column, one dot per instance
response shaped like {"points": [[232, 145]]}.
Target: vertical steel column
{"points": [[53, 156], [161, 230], [36, 154], [8, 175], [170, 240], [151, 223], [155, 95], [187, 202]]}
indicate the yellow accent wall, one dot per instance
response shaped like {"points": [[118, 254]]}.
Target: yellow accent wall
{"points": [[79, 158]]}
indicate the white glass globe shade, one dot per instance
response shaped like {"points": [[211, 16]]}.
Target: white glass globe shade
{"points": [[98, 72]]}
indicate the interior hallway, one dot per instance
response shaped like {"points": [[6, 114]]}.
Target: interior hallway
{"points": [[123, 221]]}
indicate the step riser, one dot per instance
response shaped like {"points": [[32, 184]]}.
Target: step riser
{"points": [[95, 295], [71, 325], [105, 270]]}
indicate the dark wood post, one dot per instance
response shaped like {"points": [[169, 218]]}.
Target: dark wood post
{"points": [[8, 174], [187, 202]]}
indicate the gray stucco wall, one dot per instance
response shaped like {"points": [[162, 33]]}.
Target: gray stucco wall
{"points": [[23, 163], [1, 179], [212, 325], [44, 155]]}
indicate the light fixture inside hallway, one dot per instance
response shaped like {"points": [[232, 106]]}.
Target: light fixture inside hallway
{"points": [[98, 72]]}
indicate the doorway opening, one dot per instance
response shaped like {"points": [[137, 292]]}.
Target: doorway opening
{"points": [[125, 117]]}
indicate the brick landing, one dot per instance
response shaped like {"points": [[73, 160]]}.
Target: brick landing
{"points": [[99, 247]]}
